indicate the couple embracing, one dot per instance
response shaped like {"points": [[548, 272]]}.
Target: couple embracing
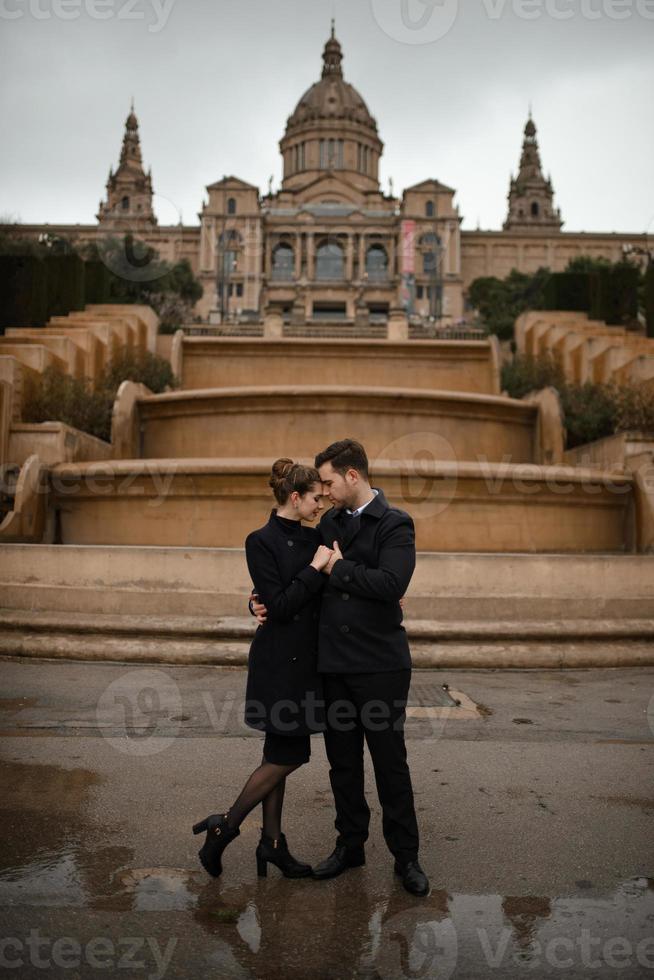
{"points": [[330, 654]]}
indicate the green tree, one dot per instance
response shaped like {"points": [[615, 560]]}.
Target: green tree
{"points": [[501, 301]]}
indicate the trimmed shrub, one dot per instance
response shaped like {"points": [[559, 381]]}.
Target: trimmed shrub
{"points": [[614, 294], [23, 291], [526, 373], [96, 282], [590, 411], [648, 299], [58, 397], [65, 279], [568, 291]]}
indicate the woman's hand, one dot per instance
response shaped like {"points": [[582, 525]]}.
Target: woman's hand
{"points": [[335, 556], [321, 557]]}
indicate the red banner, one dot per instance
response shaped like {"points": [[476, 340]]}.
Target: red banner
{"points": [[408, 247]]}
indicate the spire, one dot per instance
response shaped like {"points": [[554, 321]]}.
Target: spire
{"points": [[332, 56], [531, 198], [129, 189]]}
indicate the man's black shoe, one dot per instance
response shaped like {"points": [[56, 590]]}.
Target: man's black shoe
{"points": [[413, 877], [339, 861]]}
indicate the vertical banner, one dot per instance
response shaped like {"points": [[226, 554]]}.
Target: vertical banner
{"points": [[408, 232], [408, 252]]}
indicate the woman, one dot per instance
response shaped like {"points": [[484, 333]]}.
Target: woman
{"points": [[285, 560]]}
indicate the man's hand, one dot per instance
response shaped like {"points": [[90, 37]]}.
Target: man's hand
{"points": [[334, 558], [259, 610]]}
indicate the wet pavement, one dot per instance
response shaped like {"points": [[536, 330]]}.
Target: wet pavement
{"points": [[535, 799]]}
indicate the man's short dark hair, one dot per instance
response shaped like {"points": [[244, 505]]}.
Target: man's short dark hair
{"points": [[348, 454]]}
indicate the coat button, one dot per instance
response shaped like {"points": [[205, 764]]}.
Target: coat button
{"points": [[296, 617], [293, 659], [346, 578], [290, 543], [345, 629], [345, 595]]}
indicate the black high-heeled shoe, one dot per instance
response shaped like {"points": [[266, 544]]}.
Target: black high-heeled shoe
{"points": [[275, 851], [219, 835]]}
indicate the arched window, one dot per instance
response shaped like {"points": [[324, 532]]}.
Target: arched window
{"points": [[429, 245], [283, 266], [376, 262], [430, 210], [231, 206], [125, 204], [534, 209], [229, 244], [329, 261]]}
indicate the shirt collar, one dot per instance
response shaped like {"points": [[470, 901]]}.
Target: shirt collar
{"points": [[356, 512]]}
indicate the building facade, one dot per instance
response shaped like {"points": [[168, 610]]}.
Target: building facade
{"points": [[330, 244]]}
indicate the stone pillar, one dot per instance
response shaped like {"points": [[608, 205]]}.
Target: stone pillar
{"points": [[398, 324], [391, 258], [362, 255], [349, 259], [298, 254], [273, 325], [311, 257]]}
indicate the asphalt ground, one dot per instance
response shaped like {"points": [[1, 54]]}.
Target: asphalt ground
{"points": [[534, 795]]}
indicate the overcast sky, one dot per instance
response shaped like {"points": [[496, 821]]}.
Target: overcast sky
{"points": [[215, 80]]}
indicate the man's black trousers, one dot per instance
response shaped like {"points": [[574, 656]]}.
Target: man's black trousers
{"points": [[370, 707]]}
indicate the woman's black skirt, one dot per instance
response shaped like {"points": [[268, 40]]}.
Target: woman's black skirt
{"points": [[287, 750]]}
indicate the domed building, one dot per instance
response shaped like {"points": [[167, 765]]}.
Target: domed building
{"points": [[330, 245]]}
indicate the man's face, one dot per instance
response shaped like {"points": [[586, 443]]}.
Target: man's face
{"points": [[339, 489]]}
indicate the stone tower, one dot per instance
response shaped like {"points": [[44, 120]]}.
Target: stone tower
{"points": [[531, 196], [128, 205]]}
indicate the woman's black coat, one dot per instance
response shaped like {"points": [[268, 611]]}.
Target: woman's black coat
{"points": [[284, 690]]}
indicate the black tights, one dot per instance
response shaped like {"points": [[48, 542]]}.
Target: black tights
{"points": [[266, 785]]}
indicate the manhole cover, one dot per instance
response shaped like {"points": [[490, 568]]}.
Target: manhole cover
{"points": [[429, 693]]}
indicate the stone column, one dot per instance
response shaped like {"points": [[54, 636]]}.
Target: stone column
{"points": [[273, 325], [362, 254], [349, 259], [298, 254], [398, 324], [391, 258], [311, 257]]}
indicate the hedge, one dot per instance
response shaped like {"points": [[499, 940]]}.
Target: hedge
{"points": [[568, 291], [65, 283], [649, 299], [614, 293], [23, 291]]}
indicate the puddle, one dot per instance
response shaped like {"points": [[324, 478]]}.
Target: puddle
{"points": [[363, 925]]}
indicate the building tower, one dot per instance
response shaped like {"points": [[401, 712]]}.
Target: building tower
{"points": [[531, 196], [128, 205], [331, 131]]}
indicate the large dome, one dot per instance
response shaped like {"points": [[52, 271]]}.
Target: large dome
{"points": [[331, 99]]}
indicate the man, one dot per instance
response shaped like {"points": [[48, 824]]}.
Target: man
{"points": [[363, 654]]}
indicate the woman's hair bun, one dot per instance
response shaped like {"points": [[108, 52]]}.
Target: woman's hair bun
{"points": [[287, 477], [280, 470]]}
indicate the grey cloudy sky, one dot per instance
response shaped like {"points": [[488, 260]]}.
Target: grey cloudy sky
{"points": [[449, 83]]}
